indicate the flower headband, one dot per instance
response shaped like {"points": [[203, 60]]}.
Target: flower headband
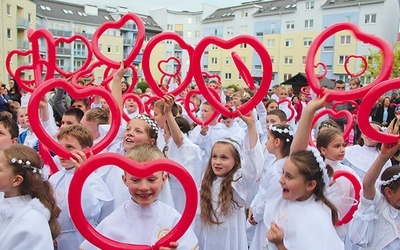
{"points": [[322, 166], [388, 182], [148, 120], [234, 144], [28, 165], [282, 131]]}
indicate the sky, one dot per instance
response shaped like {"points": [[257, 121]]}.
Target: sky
{"points": [[144, 6]]}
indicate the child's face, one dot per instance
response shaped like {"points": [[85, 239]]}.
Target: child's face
{"points": [[131, 106], [72, 145], [103, 103], [294, 186], [228, 122], [282, 94], [158, 117], [236, 101], [353, 85], [335, 149], [5, 137], [222, 160], [6, 178], [144, 191], [270, 143], [136, 133], [272, 120], [206, 112], [124, 87], [80, 105], [23, 118], [271, 106], [68, 120]]}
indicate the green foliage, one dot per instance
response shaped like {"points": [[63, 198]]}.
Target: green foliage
{"points": [[143, 86], [234, 86], [375, 60]]}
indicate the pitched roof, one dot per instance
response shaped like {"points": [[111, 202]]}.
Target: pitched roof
{"points": [[346, 3]]}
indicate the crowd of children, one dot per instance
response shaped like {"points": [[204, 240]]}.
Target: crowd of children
{"points": [[259, 166]]}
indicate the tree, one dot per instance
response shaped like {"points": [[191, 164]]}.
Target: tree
{"points": [[375, 62], [143, 86]]}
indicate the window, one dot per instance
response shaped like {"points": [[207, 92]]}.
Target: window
{"points": [[109, 49], [259, 33], [228, 76], [29, 17], [9, 34], [328, 49], [270, 43], [198, 19], [8, 10], [80, 49], [257, 67], [344, 40], [347, 18], [169, 41], [245, 13], [309, 23], [289, 43], [189, 34], [243, 45], [287, 76], [310, 5], [170, 27], [342, 59], [117, 49], [214, 46], [290, 25], [227, 61], [197, 33], [288, 60], [303, 60], [60, 62], [214, 60], [243, 29], [370, 18], [272, 59], [229, 31], [189, 20], [78, 64], [307, 41]]}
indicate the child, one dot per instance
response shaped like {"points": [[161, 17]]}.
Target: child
{"points": [[27, 137], [8, 130], [95, 193], [375, 224], [228, 178], [92, 120], [235, 131], [72, 116], [280, 137], [28, 210], [143, 219], [22, 119], [271, 104], [283, 95]]}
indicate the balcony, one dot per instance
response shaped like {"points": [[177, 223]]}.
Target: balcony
{"points": [[128, 42], [87, 35], [62, 33], [179, 33], [22, 23], [177, 47], [272, 31], [129, 26], [23, 44], [63, 51], [80, 53]]}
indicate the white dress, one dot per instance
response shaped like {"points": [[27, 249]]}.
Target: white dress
{"points": [[94, 194], [24, 224], [135, 224], [307, 225], [375, 225], [231, 234]]}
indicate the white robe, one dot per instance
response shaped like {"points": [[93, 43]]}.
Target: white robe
{"points": [[24, 224], [94, 194], [231, 234], [145, 225]]}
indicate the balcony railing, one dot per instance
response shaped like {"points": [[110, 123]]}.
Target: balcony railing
{"points": [[128, 41], [80, 53], [22, 23], [87, 35], [62, 33], [22, 44], [63, 51]]}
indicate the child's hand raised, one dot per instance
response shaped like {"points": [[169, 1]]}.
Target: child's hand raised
{"points": [[120, 72], [173, 245], [248, 118], [318, 102], [388, 150], [168, 103]]}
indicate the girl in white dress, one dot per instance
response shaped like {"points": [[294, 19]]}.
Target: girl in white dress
{"points": [[28, 210], [143, 219], [224, 189], [280, 137], [376, 224]]}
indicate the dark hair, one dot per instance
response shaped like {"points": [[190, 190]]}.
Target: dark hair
{"points": [[329, 123], [127, 86], [285, 148], [9, 124], [279, 113], [269, 102], [183, 124], [387, 175], [85, 101], [75, 112], [325, 136]]}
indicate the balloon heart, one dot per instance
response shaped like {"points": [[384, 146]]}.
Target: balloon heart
{"points": [[366, 106], [211, 76], [164, 62], [305, 91], [372, 39], [148, 104], [289, 106], [24, 84], [353, 103], [192, 115], [193, 106], [88, 57], [136, 99], [117, 25], [146, 64], [243, 71], [138, 170], [196, 68], [346, 62], [336, 115], [357, 189], [40, 132], [323, 65], [47, 158]]}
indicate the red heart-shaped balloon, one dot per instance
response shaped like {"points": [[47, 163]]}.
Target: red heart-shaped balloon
{"points": [[366, 105], [359, 93], [107, 77], [163, 62], [80, 74], [363, 59], [138, 170], [138, 101], [353, 103], [324, 67], [148, 104], [196, 68], [290, 107], [47, 158], [170, 79], [192, 106], [117, 25], [334, 114], [38, 129], [243, 71], [211, 76], [88, 57], [357, 189], [305, 91], [192, 115], [26, 85], [146, 65]]}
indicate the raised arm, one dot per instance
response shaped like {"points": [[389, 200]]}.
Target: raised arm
{"points": [[387, 151], [173, 126], [251, 128], [300, 141], [116, 86]]}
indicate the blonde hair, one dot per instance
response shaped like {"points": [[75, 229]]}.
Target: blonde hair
{"points": [[144, 152]]}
